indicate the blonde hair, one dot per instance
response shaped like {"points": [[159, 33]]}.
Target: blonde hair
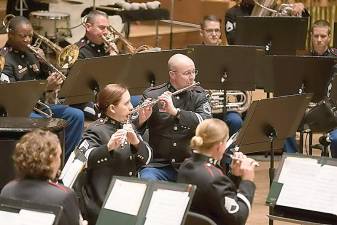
{"points": [[208, 133]]}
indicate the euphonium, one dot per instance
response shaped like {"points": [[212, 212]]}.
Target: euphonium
{"points": [[266, 8], [65, 56], [238, 101]]}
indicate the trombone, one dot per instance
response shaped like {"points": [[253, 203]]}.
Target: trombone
{"points": [[65, 57]]}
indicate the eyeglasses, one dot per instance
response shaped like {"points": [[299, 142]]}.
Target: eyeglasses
{"points": [[188, 72], [211, 31]]}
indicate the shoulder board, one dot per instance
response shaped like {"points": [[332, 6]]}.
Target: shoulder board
{"points": [[59, 186], [156, 87], [198, 89], [333, 51], [81, 43]]}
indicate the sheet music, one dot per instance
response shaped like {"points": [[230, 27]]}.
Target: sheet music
{"points": [[11, 218], [70, 175], [28, 217], [308, 185], [166, 207], [126, 197]]}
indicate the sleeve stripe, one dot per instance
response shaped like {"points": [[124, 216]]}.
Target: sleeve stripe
{"points": [[245, 200], [199, 117], [148, 149], [87, 152]]}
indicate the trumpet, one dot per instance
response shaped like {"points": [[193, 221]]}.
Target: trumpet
{"points": [[155, 101]]}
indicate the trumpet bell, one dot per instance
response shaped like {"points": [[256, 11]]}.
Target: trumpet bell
{"points": [[68, 56]]}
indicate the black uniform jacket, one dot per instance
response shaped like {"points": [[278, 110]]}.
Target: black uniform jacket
{"points": [[332, 52], [22, 66], [170, 136], [44, 192], [90, 50], [227, 201], [103, 164]]}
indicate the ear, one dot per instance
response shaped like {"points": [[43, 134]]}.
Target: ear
{"points": [[172, 75], [111, 108]]}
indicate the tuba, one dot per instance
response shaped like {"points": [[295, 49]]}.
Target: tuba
{"points": [[238, 101]]}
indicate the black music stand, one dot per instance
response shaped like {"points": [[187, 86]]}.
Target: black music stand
{"points": [[276, 33], [14, 206], [24, 94], [300, 74], [226, 67], [268, 123], [137, 72]]}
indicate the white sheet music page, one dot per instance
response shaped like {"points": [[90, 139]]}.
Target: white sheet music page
{"points": [[11, 218], [167, 207], [28, 217], [126, 197], [308, 185]]}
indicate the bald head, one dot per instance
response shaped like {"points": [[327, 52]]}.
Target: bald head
{"points": [[181, 71], [178, 60]]}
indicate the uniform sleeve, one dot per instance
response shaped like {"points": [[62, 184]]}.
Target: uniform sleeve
{"points": [[230, 27], [94, 149], [8, 73], [143, 153], [235, 205], [202, 111]]}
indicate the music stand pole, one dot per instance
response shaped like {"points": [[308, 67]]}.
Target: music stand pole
{"points": [[171, 24], [271, 134], [94, 4]]}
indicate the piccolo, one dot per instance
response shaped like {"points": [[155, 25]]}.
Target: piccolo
{"points": [[155, 101], [255, 163]]}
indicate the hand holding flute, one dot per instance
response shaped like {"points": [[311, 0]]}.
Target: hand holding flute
{"points": [[126, 134], [243, 166]]}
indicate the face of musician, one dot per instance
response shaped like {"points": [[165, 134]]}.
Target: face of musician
{"points": [[21, 36], [96, 28], [182, 71], [121, 110], [320, 39], [211, 32]]}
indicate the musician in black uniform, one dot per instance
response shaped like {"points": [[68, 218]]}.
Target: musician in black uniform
{"points": [[320, 39], [92, 44], [225, 199], [172, 122], [21, 64], [37, 161], [245, 8], [111, 148]]}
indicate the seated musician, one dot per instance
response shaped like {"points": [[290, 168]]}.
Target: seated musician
{"points": [[245, 8], [211, 35], [225, 199], [172, 122], [92, 44], [21, 64], [37, 161], [112, 147], [320, 38]]}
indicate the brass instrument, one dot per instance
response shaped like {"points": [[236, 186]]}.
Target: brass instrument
{"points": [[265, 8], [238, 101], [117, 35], [50, 97], [65, 56]]}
